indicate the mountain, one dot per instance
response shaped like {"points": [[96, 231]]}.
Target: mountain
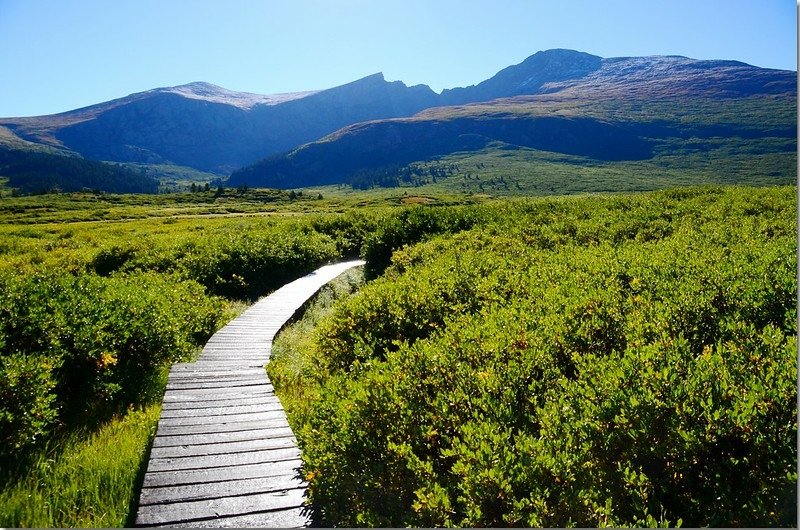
{"points": [[621, 110], [528, 77], [39, 171], [634, 109], [206, 127]]}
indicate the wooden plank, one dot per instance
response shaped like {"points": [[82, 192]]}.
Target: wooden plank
{"points": [[218, 474], [252, 330], [226, 364], [221, 437], [179, 381], [222, 419], [239, 343], [202, 369], [222, 393], [199, 367], [215, 490], [220, 448], [173, 430], [222, 411], [291, 518], [240, 359], [189, 385], [214, 508], [237, 380], [263, 399], [192, 396], [237, 356], [290, 452], [206, 373]]}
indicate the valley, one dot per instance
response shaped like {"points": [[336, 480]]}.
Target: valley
{"points": [[578, 304]]}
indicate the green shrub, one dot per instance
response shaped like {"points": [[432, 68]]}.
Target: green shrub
{"points": [[412, 225], [83, 346], [249, 265], [27, 402], [238, 265], [348, 230], [525, 374]]}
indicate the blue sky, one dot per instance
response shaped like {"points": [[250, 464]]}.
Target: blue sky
{"points": [[57, 55]]}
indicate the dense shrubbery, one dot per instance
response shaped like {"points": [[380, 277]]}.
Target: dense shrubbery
{"points": [[349, 230], [87, 331], [83, 345], [415, 224], [236, 265], [616, 361]]}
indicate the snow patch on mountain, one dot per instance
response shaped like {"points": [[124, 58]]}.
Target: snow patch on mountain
{"points": [[217, 94]]}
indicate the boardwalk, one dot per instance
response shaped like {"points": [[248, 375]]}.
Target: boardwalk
{"points": [[224, 454]]}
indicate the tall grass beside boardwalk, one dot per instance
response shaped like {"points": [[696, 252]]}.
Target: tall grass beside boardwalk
{"points": [[82, 480], [292, 368]]}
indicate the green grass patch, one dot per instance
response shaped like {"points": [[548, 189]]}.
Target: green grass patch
{"points": [[292, 367], [85, 480]]}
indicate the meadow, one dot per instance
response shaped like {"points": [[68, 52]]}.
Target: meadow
{"points": [[500, 361], [99, 295], [601, 361]]}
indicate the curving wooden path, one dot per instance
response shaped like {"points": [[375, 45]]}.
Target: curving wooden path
{"points": [[224, 455]]}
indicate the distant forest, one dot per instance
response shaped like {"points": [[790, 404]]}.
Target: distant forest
{"points": [[32, 172]]}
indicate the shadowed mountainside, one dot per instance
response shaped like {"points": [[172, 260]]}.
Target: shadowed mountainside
{"points": [[600, 109], [559, 101], [213, 129]]}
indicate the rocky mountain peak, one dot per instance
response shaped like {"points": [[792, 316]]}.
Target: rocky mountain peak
{"points": [[529, 76]]}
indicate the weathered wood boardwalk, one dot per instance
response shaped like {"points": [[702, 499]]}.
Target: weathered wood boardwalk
{"points": [[224, 455]]}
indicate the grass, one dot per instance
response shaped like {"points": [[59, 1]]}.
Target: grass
{"points": [[83, 480], [501, 170], [62, 208], [290, 349], [90, 477]]}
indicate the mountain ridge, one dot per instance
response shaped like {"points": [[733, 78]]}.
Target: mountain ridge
{"points": [[211, 128], [604, 110]]}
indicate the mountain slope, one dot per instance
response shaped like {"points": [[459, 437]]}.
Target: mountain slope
{"points": [[557, 101], [598, 109], [40, 172], [528, 77], [213, 129]]}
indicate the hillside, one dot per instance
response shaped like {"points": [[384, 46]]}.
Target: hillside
{"points": [[209, 128], [34, 172], [595, 111], [560, 121]]}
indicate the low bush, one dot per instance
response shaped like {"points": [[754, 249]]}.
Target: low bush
{"points": [[525, 374], [414, 224], [78, 347], [250, 265], [243, 265]]}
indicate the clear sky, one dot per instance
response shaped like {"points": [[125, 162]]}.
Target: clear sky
{"points": [[57, 55]]}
